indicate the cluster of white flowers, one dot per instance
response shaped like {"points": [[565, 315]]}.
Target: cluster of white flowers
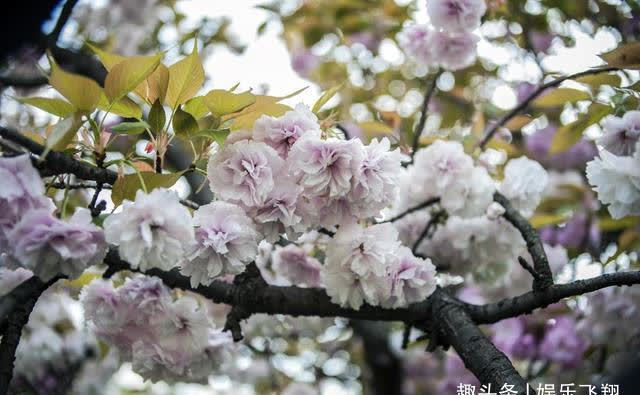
{"points": [[615, 174], [32, 237], [524, 183], [166, 338], [370, 265], [448, 41]]}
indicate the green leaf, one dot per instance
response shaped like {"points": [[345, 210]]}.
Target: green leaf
{"points": [[82, 92], [56, 107], [128, 74], [624, 57], [221, 102], [127, 186], [184, 124], [326, 96], [157, 117], [63, 133], [185, 79], [108, 60], [598, 80], [264, 105], [157, 84], [196, 107], [569, 134], [124, 107], [217, 135], [560, 96], [130, 128]]}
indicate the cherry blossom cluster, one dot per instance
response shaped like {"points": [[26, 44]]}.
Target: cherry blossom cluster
{"points": [[167, 338], [615, 174], [32, 237], [448, 41]]}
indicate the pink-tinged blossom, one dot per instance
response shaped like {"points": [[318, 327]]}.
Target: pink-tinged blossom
{"points": [[294, 264], [152, 231], [279, 213], [226, 240], [48, 246], [245, 171], [326, 167], [413, 279], [304, 62], [358, 264], [524, 182], [562, 343], [454, 52], [616, 180], [376, 183], [415, 40], [456, 15], [22, 190], [282, 132], [621, 134]]}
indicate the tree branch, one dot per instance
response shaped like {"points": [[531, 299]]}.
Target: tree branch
{"points": [[526, 303], [65, 14], [417, 132], [17, 296], [16, 320], [525, 103], [431, 224], [544, 278], [419, 207]]}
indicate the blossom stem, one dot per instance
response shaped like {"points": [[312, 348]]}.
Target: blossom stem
{"points": [[419, 207], [417, 132]]}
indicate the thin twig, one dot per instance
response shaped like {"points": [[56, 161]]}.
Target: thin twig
{"points": [[417, 132], [65, 14], [419, 207], [525, 103], [433, 221]]}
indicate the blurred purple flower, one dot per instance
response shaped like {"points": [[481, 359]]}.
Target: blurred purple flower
{"points": [[304, 62], [539, 143], [562, 343]]}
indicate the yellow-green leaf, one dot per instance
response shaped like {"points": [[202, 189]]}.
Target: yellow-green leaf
{"points": [[196, 107], [124, 107], [219, 135], [541, 220], [221, 102], [157, 84], [63, 133], [130, 128], [185, 79], [569, 134], [157, 117], [608, 224], [560, 96], [128, 74], [326, 96], [184, 124], [127, 186], [596, 80], [264, 105], [56, 107], [624, 57], [108, 60], [82, 92]]}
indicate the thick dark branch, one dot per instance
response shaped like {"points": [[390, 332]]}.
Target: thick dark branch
{"points": [[526, 303], [480, 356], [417, 132], [419, 207], [16, 320], [544, 278], [65, 14], [23, 82], [21, 293], [59, 162], [525, 103]]}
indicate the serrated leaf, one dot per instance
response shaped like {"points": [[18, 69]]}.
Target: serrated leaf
{"points": [[82, 92], [569, 134], [185, 79], [560, 96], [221, 102], [157, 117], [130, 128], [57, 107], [264, 105], [63, 133], [127, 186], [325, 97], [128, 74], [624, 57], [184, 124], [597, 80], [108, 60], [196, 107], [125, 107], [157, 84], [218, 135]]}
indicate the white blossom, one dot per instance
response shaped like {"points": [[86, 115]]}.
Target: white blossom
{"points": [[294, 264], [413, 279], [524, 182], [454, 51], [621, 134], [456, 15], [281, 133], [225, 241], [152, 231]]}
